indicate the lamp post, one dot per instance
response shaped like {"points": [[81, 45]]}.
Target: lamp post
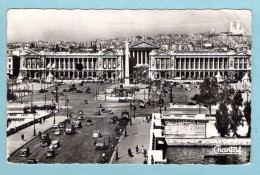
{"points": [[131, 114], [45, 99], [32, 98], [171, 86], [67, 108], [34, 131], [57, 99], [53, 111], [125, 129], [21, 97]]}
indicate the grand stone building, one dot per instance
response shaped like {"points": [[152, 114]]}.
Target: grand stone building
{"points": [[63, 65], [160, 64]]}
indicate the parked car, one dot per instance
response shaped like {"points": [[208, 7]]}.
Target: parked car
{"points": [[85, 101], [113, 119], [24, 152], [96, 134], [65, 90], [61, 125], [89, 122], [79, 91], [142, 105], [43, 90], [191, 103], [50, 153], [124, 100]]}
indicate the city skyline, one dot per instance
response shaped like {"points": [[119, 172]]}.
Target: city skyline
{"points": [[107, 24]]}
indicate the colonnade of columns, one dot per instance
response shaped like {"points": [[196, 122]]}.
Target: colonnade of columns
{"points": [[209, 63], [141, 56]]}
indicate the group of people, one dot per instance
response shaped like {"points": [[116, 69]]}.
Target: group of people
{"points": [[147, 119], [141, 150]]}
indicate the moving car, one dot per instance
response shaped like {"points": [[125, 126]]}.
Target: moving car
{"points": [[96, 134], [97, 112], [100, 143], [45, 139], [80, 117], [55, 128], [80, 112], [31, 161], [24, 152], [55, 144], [50, 153], [89, 122], [70, 129]]}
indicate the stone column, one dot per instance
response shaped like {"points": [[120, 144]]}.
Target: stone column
{"points": [[64, 64], [142, 59], [204, 63], [137, 53], [189, 63], [243, 64], [238, 62], [199, 65], [218, 64], [185, 63], [73, 64], [213, 63]]}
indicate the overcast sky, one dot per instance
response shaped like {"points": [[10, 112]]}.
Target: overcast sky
{"points": [[84, 25]]}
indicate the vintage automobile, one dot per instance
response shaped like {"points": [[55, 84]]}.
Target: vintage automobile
{"points": [[100, 143], [50, 153], [97, 112], [80, 112], [45, 139], [32, 161], [110, 112], [61, 125], [96, 134], [54, 144], [65, 90], [125, 115], [85, 101], [77, 124], [24, 152], [113, 119], [70, 129], [79, 91], [80, 117], [89, 122], [43, 90], [124, 100], [56, 129], [142, 105]]}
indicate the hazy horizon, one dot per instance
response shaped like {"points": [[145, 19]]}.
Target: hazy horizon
{"points": [[29, 25]]}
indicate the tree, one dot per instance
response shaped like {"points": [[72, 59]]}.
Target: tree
{"points": [[222, 120], [10, 95], [235, 118], [247, 115], [238, 100], [208, 93], [226, 95]]}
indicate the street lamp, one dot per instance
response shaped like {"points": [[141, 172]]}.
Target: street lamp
{"points": [[67, 108], [131, 114], [34, 131], [171, 87], [45, 99], [32, 98], [53, 112]]}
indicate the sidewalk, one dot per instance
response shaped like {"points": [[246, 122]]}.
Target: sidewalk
{"points": [[137, 134], [14, 141]]}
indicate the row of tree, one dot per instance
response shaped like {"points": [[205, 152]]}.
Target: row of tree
{"points": [[231, 109]]}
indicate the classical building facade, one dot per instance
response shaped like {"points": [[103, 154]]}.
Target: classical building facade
{"points": [[170, 65], [160, 64], [63, 65]]}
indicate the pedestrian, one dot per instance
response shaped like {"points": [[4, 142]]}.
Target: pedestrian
{"points": [[22, 137], [95, 142], [40, 134], [142, 149], [108, 138], [153, 104], [112, 147], [144, 119], [145, 153], [137, 149], [130, 153], [165, 108], [145, 161], [117, 139]]}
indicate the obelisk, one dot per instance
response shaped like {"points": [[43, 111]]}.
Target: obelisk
{"points": [[126, 64]]}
